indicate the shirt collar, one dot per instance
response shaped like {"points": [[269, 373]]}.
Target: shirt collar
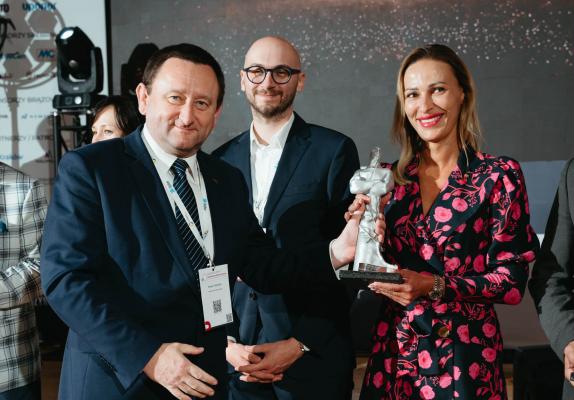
{"points": [[278, 139], [164, 158]]}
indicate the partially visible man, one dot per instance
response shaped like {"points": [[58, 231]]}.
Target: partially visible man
{"points": [[552, 282], [298, 177], [135, 228], [22, 212]]}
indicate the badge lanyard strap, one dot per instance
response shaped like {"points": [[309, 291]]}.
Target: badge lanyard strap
{"points": [[183, 209], [185, 213]]}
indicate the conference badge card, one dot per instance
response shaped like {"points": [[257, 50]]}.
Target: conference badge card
{"points": [[215, 296]]}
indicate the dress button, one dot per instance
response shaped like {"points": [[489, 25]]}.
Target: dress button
{"points": [[443, 332], [253, 295]]}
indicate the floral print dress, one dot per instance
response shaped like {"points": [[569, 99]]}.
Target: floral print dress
{"points": [[477, 235]]}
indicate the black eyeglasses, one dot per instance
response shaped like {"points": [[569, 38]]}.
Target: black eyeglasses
{"points": [[280, 75]]}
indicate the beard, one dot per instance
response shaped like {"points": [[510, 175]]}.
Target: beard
{"points": [[272, 111]]}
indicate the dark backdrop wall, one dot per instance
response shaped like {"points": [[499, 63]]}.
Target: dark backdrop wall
{"points": [[521, 54]]}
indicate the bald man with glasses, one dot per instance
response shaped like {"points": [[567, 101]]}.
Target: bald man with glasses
{"points": [[298, 176]]}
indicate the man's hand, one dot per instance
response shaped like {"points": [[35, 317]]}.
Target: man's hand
{"points": [[238, 356], [569, 361], [343, 247], [277, 358], [170, 368], [357, 205]]}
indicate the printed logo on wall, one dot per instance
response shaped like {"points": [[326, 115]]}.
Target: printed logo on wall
{"points": [[28, 82], [27, 47], [28, 62], [4, 24]]}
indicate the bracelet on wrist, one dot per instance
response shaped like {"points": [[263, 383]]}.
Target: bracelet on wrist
{"points": [[438, 287]]}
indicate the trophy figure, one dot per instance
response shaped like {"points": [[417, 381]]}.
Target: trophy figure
{"points": [[369, 264]]}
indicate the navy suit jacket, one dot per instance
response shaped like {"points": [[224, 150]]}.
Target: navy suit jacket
{"points": [[114, 267], [552, 282], [306, 203]]}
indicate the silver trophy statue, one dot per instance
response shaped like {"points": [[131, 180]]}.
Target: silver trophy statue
{"points": [[369, 264]]}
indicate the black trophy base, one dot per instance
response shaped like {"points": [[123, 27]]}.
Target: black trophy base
{"points": [[361, 279]]}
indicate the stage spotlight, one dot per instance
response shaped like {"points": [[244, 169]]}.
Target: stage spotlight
{"points": [[131, 72], [80, 70]]}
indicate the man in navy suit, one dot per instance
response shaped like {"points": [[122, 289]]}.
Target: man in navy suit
{"points": [[552, 282], [132, 225], [298, 176]]}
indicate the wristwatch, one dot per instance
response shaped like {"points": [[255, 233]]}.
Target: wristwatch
{"points": [[437, 290], [302, 347]]}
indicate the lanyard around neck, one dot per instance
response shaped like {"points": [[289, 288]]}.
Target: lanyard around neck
{"points": [[185, 213]]}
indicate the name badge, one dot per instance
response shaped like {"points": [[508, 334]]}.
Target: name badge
{"points": [[215, 296]]}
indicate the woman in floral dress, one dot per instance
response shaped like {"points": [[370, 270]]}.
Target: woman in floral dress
{"points": [[457, 225]]}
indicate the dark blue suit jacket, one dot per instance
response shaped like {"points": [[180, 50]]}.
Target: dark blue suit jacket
{"points": [[306, 203], [552, 281], [115, 270]]}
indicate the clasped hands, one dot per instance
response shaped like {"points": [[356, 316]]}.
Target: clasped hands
{"points": [[414, 284], [263, 363]]}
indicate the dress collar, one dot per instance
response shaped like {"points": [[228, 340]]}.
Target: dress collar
{"points": [[466, 163]]}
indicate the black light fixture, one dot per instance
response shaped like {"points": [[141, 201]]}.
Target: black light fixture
{"points": [[80, 70], [131, 73]]}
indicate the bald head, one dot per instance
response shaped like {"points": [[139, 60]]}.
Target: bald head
{"points": [[274, 79], [272, 51]]}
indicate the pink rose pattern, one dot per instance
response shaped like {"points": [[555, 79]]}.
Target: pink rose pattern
{"points": [[477, 235]]}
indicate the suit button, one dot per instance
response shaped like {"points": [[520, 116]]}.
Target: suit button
{"points": [[253, 295], [443, 332]]}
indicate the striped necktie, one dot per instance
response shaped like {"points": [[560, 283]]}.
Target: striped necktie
{"points": [[192, 247]]}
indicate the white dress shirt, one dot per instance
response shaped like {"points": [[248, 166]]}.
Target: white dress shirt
{"points": [[264, 162], [163, 162]]}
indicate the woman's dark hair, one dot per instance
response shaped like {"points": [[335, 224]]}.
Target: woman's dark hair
{"points": [[128, 117]]}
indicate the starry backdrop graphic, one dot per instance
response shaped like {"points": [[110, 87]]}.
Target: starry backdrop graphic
{"points": [[520, 53]]}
